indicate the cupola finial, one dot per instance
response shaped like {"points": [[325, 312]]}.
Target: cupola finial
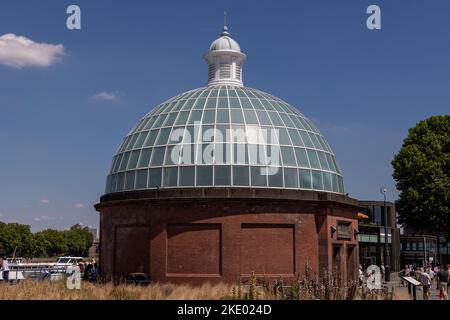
{"points": [[225, 59], [225, 26]]}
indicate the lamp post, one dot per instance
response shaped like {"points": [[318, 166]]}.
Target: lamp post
{"points": [[387, 277], [424, 251]]}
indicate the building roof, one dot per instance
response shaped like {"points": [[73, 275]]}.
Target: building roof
{"points": [[224, 135]]}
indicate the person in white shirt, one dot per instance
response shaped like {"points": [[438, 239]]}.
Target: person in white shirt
{"points": [[425, 280], [5, 268]]}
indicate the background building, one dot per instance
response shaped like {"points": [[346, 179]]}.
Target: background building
{"points": [[169, 213], [418, 248], [372, 234]]}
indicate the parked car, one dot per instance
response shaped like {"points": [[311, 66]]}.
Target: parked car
{"points": [[141, 279]]}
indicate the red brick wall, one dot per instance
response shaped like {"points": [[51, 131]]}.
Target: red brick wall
{"points": [[268, 249], [193, 249], [236, 236], [136, 260]]}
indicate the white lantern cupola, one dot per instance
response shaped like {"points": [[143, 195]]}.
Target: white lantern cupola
{"points": [[225, 61]]}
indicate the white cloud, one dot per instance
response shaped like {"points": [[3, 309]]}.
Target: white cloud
{"points": [[18, 52], [43, 218], [45, 201], [79, 206], [105, 96]]}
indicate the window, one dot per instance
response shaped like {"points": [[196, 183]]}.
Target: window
{"points": [[163, 136], [154, 178], [313, 159], [250, 117], [240, 176], [276, 177], [129, 182], [209, 116], [317, 180], [141, 179], [225, 71], [124, 163], [288, 156], [222, 103], [223, 116], [196, 115], [327, 181], [408, 246], [151, 138], [236, 116], [222, 175], [295, 138], [258, 177], [283, 137], [290, 178], [377, 215], [211, 71], [204, 176], [170, 176], [302, 158], [238, 71], [323, 160], [305, 179], [158, 156], [133, 159]]}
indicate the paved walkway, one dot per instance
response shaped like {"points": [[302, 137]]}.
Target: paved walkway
{"points": [[402, 292]]}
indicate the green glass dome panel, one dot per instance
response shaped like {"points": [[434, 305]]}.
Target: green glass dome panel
{"points": [[168, 146]]}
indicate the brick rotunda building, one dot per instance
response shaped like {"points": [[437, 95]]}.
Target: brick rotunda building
{"points": [[222, 181]]}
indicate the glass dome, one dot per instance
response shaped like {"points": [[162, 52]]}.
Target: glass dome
{"points": [[190, 141]]}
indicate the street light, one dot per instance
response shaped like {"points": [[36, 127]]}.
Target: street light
{"points": [[387, 277]]}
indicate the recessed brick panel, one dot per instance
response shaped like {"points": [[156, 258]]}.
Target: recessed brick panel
{"points": [[132, 250], [268, 249], [194, 249]]}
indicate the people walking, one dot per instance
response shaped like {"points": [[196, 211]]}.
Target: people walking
{"points": [[5, 269], [425, 280], [442, 280], [360, 276]]}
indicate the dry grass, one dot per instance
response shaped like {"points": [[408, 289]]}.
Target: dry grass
{"points": [[57, 290]]}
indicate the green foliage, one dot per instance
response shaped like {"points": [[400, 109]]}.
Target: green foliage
{"points": [[422, 174], [18, 238], [14, 236]]}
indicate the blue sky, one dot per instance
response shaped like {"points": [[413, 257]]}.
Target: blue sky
{"points": [[362, 88]]}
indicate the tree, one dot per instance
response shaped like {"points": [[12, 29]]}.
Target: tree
{"points": [[79, 241], [422, 174], [16, 238]]}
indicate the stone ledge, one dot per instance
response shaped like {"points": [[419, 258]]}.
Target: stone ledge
{"points": [[226, 193]]}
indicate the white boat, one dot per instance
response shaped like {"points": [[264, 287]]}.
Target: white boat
{"points": [[13, 276], [20, 270]]}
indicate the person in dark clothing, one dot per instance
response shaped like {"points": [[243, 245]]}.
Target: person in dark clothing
{"points": [[87, 272], [442, 277]]}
